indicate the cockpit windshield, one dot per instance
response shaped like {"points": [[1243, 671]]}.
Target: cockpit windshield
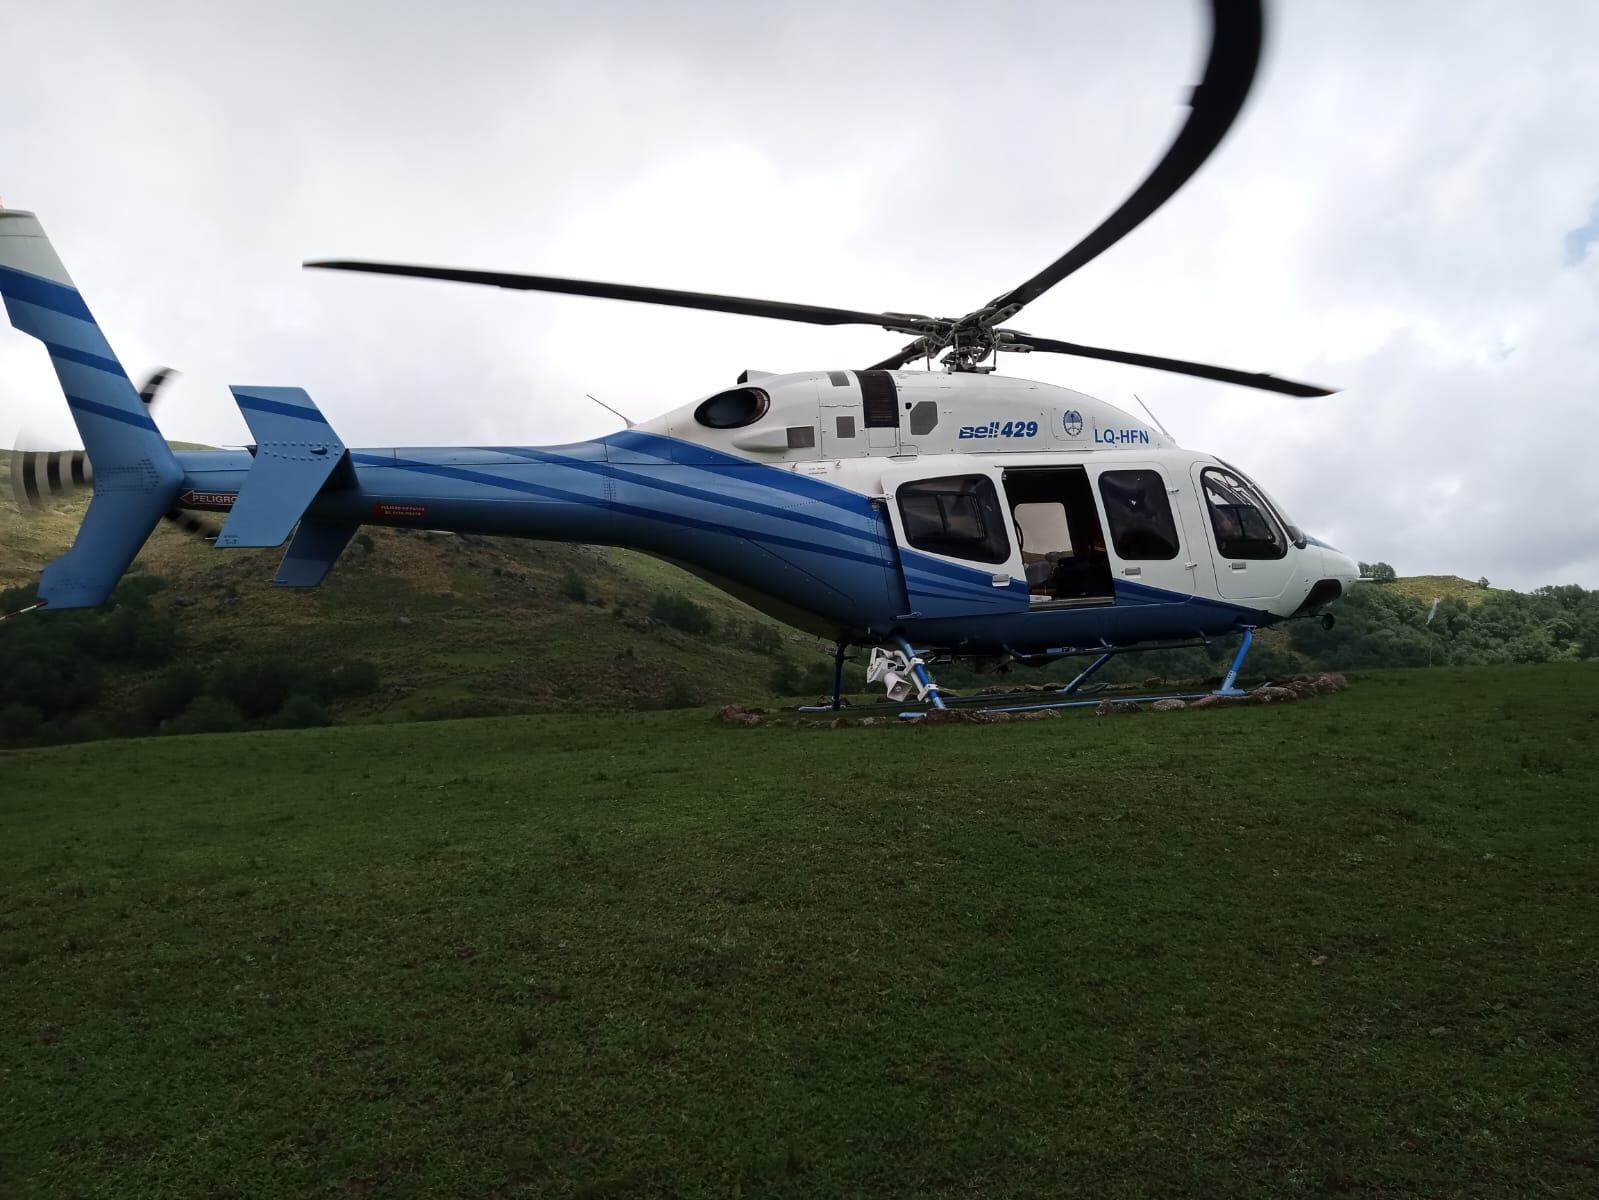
{"points": [[1295, 534]]}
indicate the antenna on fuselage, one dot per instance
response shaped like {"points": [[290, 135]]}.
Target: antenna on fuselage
{"points": [[625, 419], [1152, 416]]}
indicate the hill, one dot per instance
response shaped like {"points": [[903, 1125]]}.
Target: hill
{"points": [[1426, 588], [1329, 948], [420, 625], [456, 625]]}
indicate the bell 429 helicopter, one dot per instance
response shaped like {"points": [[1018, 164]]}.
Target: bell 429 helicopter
{"points": [[927, 514]]}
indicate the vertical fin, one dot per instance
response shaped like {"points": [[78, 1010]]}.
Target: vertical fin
{"points": [[136, 477]]}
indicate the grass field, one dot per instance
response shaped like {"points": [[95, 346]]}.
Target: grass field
{"points": [[1340, 947]]}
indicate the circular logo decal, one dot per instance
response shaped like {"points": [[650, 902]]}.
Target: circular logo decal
{"points": [[1073, 421]]}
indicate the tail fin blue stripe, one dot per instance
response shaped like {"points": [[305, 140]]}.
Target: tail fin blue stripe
{"points": [[137, 420], [84, 359], [252, 403], [46, 293], [58, 329]]}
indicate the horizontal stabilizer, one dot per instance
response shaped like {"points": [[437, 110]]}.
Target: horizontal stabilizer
{"points": [[296, 454], [316, 547]]}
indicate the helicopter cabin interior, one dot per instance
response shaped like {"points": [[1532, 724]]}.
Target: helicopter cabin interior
{"points": [[1060, 530], [1059, 534]]}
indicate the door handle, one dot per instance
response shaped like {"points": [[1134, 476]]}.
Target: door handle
{"points": [[1238, 566], [1132, 570]]}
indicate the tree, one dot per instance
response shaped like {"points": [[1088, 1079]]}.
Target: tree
{"points": [[1378, 572]]}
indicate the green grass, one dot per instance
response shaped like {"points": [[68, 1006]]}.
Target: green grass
{"points": [[1344, 946]]}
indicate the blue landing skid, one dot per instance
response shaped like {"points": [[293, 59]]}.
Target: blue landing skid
{"points": [[1019, 702]]}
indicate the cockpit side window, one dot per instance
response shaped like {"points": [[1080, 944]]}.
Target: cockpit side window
{"points": [[1244, 525], [958, 515], [1139, 514]]}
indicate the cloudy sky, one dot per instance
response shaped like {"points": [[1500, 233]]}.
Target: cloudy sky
{"points": [[1408, 210]]}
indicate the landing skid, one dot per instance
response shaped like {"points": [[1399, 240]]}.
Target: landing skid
{"points": [[902, 671]]}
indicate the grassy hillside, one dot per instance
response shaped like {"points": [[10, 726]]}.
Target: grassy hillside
{"points": [[1448, 587], [456, 625], [1339, 947]]}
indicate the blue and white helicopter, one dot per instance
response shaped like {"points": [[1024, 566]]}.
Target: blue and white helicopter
{"points": [[926, 514]]}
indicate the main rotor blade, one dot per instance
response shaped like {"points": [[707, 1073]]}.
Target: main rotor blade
{"points": [[782, 310], [1236, 30], [1178, 366], [917, 349]]}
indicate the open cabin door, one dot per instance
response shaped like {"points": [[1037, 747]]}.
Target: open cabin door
{"points": [[1151, 548], [957, 546]]}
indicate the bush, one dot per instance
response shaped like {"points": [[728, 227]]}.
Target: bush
{"points": [[574, 588], [353, 677], [19, 724], [786, 678], [300, 712], [208, 714], [682, 614], [763, 639], [170, 692], [256, 687]]}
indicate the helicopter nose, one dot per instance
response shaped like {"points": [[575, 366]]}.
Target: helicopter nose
{"points": [[1335, 564]]}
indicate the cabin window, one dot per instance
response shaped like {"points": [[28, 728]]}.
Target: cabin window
{"points": [[959, 516], [733, 409], [1139, 514], [1242, 520]]}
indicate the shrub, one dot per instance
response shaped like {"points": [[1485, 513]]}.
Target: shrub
{"points": [[19, 724], [170, 692], [208, 714], [300, 712], [256, 687], [574, 588], [786, 678], [763, 639], [681, 613], [353, 677]]}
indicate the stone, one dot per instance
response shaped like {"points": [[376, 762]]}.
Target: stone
{"points": [[1266, 694], [737, 714], [1115, 708], [1171, 705]]}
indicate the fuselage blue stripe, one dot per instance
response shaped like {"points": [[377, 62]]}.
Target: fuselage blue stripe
{"points": [[721, 463], [743, 503], [649, 514]]}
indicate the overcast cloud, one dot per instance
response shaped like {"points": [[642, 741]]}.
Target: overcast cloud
{"points": [[1407, 210]]}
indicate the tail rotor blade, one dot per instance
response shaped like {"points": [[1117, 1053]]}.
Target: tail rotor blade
{"points": [[152, 386], [40, 478]]}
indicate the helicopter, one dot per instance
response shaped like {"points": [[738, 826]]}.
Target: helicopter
{"points": [[926, 514]]}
